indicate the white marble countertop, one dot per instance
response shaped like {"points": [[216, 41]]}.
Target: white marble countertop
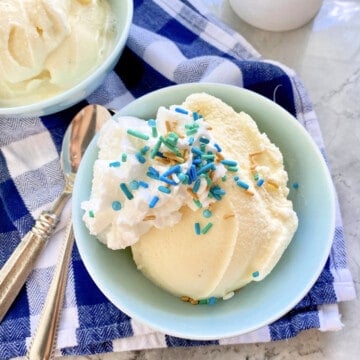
{"points": [[326, 55]]}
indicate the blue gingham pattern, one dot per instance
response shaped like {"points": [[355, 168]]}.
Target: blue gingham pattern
{"points": [[170, 42]]}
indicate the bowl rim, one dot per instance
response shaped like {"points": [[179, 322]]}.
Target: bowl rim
{"points": [[41, 107], [195, 335]]}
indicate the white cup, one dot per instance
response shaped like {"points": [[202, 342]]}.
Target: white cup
{"points": [[276, 15]]}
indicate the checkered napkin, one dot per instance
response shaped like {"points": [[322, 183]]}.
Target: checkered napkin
{"points": [[170, 42]]}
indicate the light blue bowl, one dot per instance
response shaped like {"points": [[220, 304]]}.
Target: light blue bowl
{"points": [[257, 304], [123, 11]]}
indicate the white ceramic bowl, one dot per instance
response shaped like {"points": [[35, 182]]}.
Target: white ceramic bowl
{"points": [[123, 11], [276, 15], [258, 303]]}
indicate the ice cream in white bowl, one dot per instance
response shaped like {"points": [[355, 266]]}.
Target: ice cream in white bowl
{"points": [[55, 53], [256, 304]]}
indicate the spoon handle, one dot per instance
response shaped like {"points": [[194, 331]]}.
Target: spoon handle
{"points": [[18, 267], [44, 339]]}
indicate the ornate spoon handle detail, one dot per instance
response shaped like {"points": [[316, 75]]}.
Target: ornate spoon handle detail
{"points": [[44, 339], [18, 267]]}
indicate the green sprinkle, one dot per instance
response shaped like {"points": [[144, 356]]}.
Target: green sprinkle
{"points": [[152, 124], [256, 176], [207, 228], [123, 157], [156, 148], [232, 168], [197, 229], [191, 126], [207, 213], [223, 178], [203, 301], [197, 203], [116, 205], [208, 156], [138, 134], [255, 274], [183, 178], [91, 214], [191, 132], [126, 191]]}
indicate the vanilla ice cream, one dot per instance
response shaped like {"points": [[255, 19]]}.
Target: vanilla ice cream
{"points": [[47, 46], [198, 193]]}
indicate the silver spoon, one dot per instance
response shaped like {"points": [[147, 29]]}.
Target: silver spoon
{"points": [[76, 140], [18, 267]]}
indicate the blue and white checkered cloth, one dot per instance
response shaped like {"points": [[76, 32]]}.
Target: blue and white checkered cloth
{"points": [[170, 42]]}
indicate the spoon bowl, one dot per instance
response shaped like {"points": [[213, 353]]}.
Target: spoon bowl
{"points": [[18, 267], [77, 138]]}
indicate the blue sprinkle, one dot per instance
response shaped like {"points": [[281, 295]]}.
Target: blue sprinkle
{"points": [[229, 162], [204, 140], [126, 191], [114, 164], [181, 110], [144, 150], [153, 171], [196, 186], [172, 170], [217, 190], [140, 158], [153, 202], [236, 178], [197, 229], [197, 161], [152, 122], [207, 213], [217, 147], [192, 173], [143, 184], [211, 301], [191, 141], [295, 185], [255, 274], [196, 116], [134, 185], [164, 189], [116, 205], [196, 151], [242, 184], [184, 179], [260, 182], [205, 168], [167, 180]]}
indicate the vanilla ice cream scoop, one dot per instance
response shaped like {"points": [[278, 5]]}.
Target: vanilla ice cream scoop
{"points": [[47, 46], [221, 218]]}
